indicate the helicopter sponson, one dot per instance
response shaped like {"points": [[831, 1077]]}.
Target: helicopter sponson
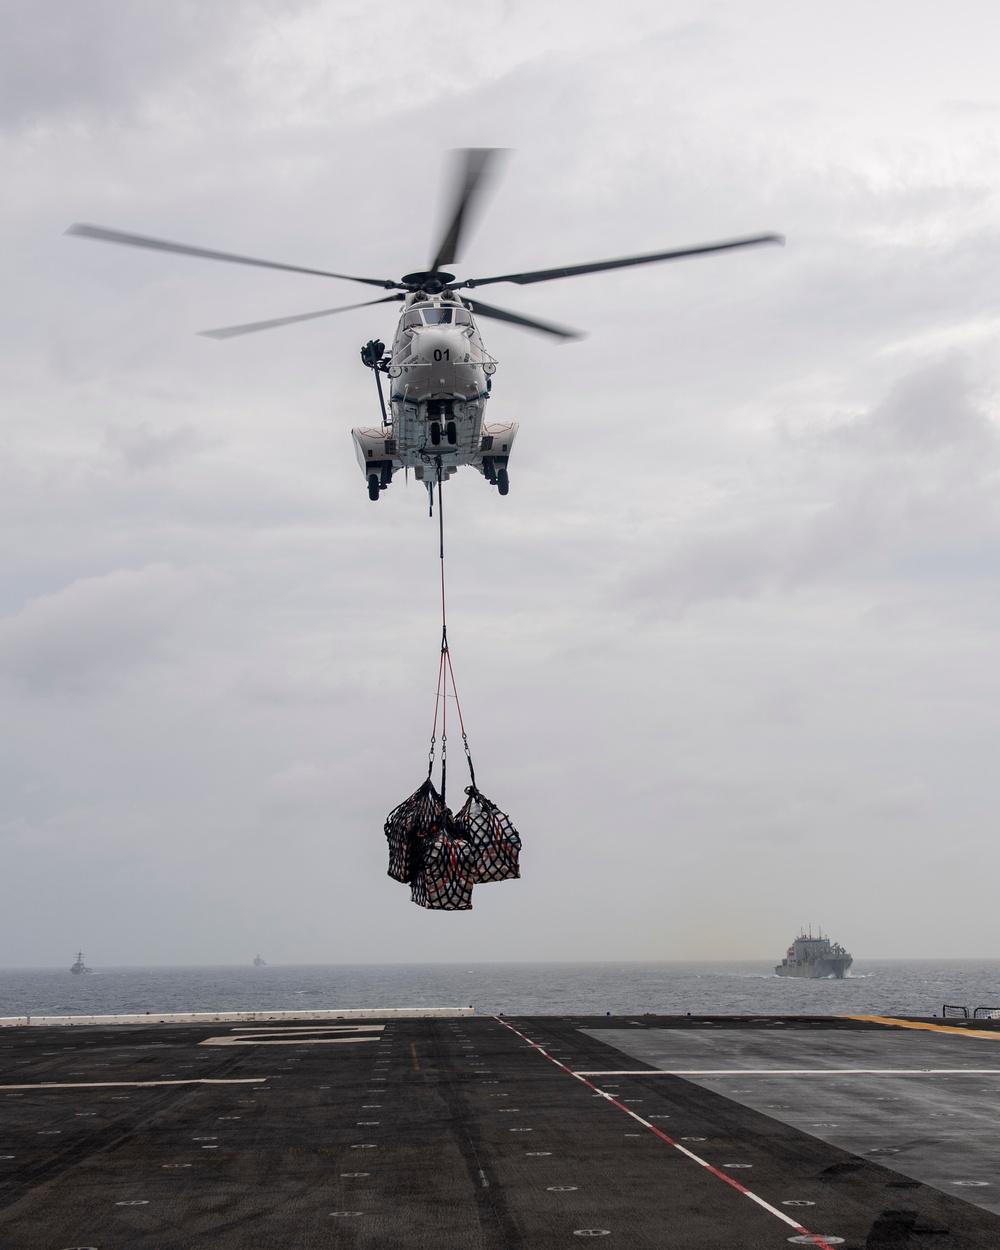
{"points": [[439, 384]]}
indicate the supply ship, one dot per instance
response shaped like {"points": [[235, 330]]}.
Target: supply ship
{"points": [[810, 956]]}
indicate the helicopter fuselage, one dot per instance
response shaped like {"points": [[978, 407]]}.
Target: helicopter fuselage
{"points": [[440, 376]]}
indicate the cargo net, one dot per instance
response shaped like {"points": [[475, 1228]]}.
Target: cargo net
{"points": [[446, 875], [495, 842], [413, 820], [441, 856]]}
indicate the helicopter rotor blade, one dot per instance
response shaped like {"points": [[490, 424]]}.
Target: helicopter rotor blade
{"points": [[571, 271], [231, 332], [501, 314], [164, 245], [472, 177]]}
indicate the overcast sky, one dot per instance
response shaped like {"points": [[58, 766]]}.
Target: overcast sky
{"points": [[727, 651]]}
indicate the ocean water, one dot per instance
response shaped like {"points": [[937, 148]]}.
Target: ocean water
{"points": [[888, 987]]}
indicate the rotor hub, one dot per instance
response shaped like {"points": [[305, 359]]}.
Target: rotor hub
{"points": [[433, 281]]}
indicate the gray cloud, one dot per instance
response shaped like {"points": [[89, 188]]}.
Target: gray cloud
{"points": [[902, 491], [741, 597], [96, 629], [144, 448], [97, 60]]}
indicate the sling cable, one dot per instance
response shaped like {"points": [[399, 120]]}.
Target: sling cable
{"points": [[442, 855]]}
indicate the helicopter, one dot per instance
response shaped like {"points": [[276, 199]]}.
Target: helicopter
{"points": [[439, 372]]}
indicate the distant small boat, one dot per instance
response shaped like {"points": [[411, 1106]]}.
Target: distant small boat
{"points": [[79, 967], [259, 963]]}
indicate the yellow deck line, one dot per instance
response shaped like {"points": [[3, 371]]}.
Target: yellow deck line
{"points": [[931, 1028]]}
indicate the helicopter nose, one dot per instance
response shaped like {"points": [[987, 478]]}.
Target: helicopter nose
{"points": [[443, 344]]}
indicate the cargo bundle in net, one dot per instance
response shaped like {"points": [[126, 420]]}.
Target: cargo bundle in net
{"points": [[441, 856]]}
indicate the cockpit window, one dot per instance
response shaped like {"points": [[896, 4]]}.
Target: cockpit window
{"points": [[437, 316], [411, 319], [462, 318]]}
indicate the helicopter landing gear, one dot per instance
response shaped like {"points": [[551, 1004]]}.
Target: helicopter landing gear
{"points": [[452, 433], [435, 433], [496, 474], [379, 482]]}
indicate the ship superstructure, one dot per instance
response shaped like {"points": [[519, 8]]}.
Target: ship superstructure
{"points": [[79, 967], [815, 957]]}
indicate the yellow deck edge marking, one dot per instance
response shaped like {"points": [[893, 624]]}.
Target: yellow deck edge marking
{"points": [[413, 1052], [931, 1028]]}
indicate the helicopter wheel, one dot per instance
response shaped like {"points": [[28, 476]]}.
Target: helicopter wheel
{"points": [[452, 433], [373, 486], [435, 434], [503, 481]]}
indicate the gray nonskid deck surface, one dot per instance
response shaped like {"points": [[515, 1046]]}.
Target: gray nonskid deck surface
{"points": [[928, 1106], [423, 1133]]}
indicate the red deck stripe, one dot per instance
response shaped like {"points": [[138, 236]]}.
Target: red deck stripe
{"points": [[747, 1193]]}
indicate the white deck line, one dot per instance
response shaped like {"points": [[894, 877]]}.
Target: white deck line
{"points": [[240, 1040], [238, 1017], [795, 1072], [191, 1080]]}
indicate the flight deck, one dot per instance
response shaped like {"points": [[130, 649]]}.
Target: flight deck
{"points": [[455, 1132]]}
